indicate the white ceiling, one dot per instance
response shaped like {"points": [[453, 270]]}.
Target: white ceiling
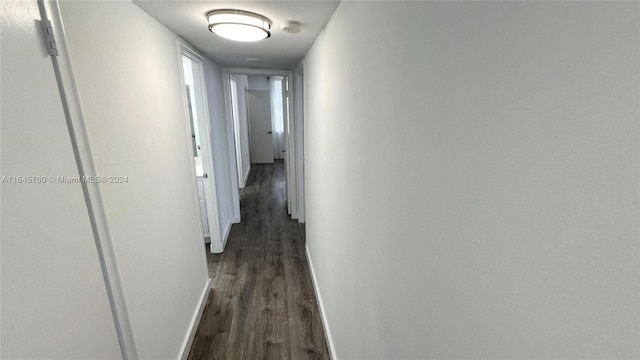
{"points": [[281, 51]]}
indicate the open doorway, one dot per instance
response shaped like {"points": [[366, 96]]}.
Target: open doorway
{"points": [[200, 145], [266, 101], [260, 110], [279, 111]]}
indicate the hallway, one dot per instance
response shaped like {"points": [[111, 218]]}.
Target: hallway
{"points": [[262, 303]]}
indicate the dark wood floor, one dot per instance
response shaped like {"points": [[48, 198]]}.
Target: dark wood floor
{"points": [[262, 304]]}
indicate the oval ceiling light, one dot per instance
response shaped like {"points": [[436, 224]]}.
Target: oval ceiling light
{"points": [[238, 25]]}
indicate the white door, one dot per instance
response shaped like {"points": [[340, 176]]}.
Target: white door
{"points": [[259, 102], [48, 248], [199, 130]]}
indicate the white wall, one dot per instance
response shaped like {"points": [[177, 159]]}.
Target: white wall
{"points": [[130, 88], [54, 302], [472, 179], [243, 117], [226, 183], [259, 82]]}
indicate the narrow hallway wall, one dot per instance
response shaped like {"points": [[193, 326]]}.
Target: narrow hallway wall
{"points": [[472, 179]]}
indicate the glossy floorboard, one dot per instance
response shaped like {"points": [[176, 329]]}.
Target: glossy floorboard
{"points": [[262, 304]]}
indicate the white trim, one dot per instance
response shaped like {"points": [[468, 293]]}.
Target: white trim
{"points": [[298, 100], [235, 193], [246, 175], [76, 122], [204, 124], [323, 315], [246, 113], [291, 152], [233, 95], [225, 236], [195, 321]]}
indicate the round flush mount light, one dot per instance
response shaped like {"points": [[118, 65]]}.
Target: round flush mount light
{"points": [[238, 25], [252, 59], [290, 26]]}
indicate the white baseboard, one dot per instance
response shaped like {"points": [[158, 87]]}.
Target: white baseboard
{"points": [[195, 321], [323, 315]]}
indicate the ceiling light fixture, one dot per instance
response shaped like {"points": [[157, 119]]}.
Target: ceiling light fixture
{"points": [[238, 25]]}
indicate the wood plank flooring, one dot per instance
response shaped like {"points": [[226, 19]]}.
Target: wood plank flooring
{"points": [[262, 304]]}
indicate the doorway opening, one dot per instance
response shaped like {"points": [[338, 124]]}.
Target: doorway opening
{"points": [[260, 107], [266, 101], [199, 133]]}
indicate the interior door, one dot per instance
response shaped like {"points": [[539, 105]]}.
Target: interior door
{"points": [[53, 289], [195, 96], [259, 102]]}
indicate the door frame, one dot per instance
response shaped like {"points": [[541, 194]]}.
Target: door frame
{"points": [[204, 126], [298, 104], [292, 155], [236, 132]]}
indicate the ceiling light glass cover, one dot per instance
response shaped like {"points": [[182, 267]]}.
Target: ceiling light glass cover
{"points": [[238, 25]]}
